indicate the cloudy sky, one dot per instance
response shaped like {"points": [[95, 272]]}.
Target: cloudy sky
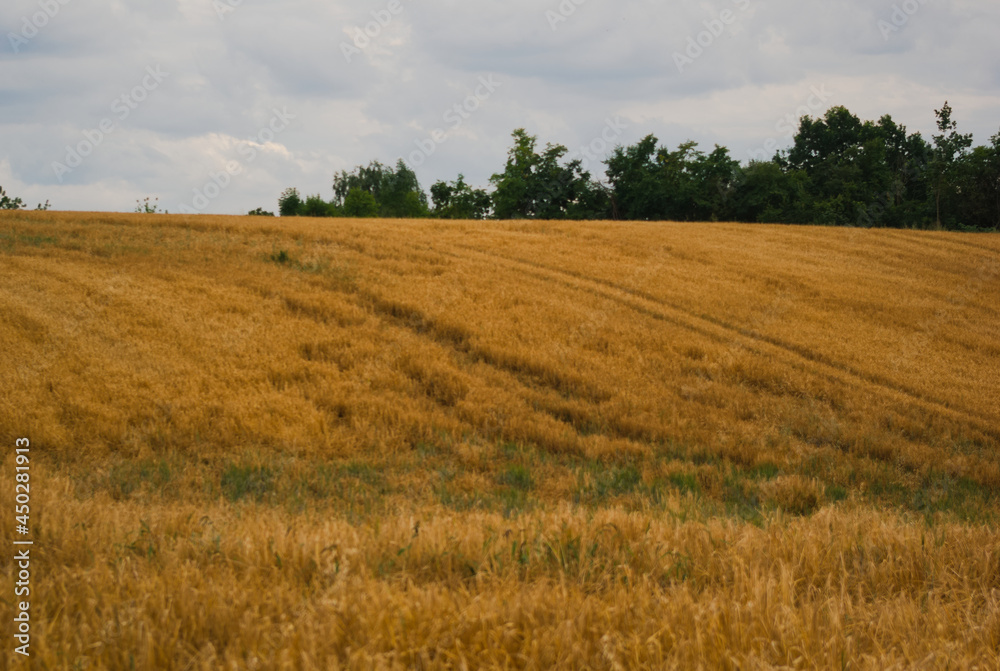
{"points": [[218, 105]]}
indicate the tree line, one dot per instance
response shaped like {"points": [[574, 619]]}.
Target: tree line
{"points": [[839, 171]]}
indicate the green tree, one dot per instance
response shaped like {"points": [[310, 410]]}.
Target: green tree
{"points": [[834, 152], [950, 147], [396, 190], [360, 203], [367, 178], [513, 188], [563, 191], [900, 196], [539, 186], [764, 192], [401, 195], [859, 172], [458, 200], [632, 172], [590, 199], [708, 177], [290, 203], [676, 180], [315, 206], [978, 187], [654, 183]]}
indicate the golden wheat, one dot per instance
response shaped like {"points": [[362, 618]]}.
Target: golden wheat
{"points": [[423, 444]]}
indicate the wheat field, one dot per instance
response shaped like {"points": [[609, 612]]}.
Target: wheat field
{"points": [[380, 444]]}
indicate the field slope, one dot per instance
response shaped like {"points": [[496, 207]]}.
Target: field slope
{"points": [[296, 443]]}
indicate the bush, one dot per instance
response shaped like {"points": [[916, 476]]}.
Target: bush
{"points": [[260, 212]]}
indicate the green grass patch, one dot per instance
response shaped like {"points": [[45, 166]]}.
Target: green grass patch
{"points": [[355, 489], [618, 480], [517, 477], [685, 482], [128, 477], [741, 499], [835, 492], [598, 484], [240, 482], [511, 502], [365, 474], [11, 239], [764, 471], [963, 498]]}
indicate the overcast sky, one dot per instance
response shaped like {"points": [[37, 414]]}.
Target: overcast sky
{"points": [[218, 105]]}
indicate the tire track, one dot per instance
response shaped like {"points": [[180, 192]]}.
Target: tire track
{"points": [[954, 243], [721, 331], [799, 357], [547, 392], [458, 339]]}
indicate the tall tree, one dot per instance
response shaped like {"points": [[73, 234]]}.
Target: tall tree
{"points": [[539, 186], [401, 195], [712, 176], [290, 203], [833, 151], [858, 172], [685, 184], [632, 172], [950, 147], [396, 190], [902, 185]]}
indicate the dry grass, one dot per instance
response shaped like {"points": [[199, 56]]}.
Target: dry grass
{"points": [[383, 444]]}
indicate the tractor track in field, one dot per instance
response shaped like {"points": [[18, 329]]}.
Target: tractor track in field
{"points": [[649, 305], [953, 242], [725, 332], [549, 392], [546, 391]]}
